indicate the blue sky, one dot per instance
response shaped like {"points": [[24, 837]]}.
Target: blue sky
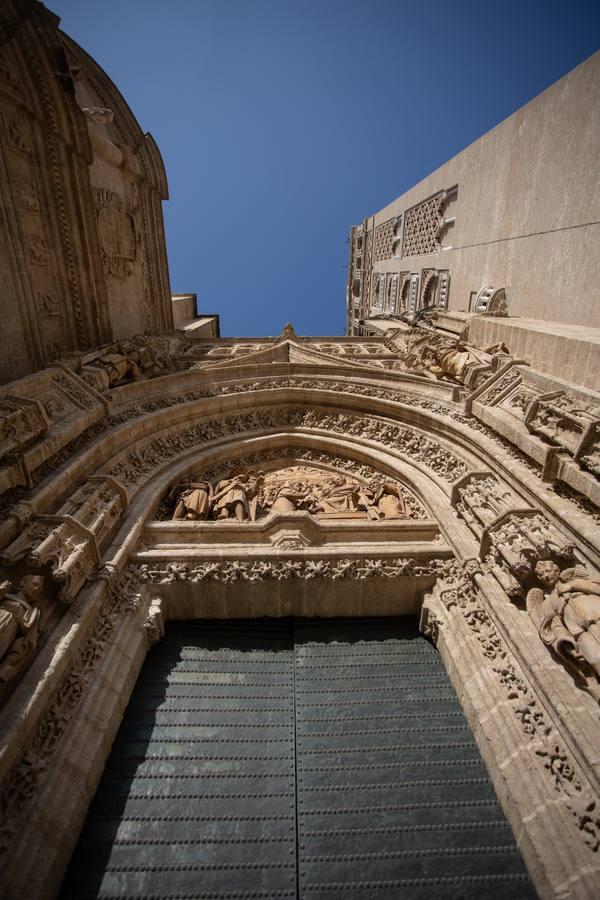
{"points": [[283, 123]]}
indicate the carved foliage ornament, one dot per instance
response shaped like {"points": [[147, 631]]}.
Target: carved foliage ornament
{"points": [[140, 462], [460, 598]]}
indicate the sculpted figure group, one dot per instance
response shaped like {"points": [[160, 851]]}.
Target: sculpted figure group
{"points": [[247, 495]]}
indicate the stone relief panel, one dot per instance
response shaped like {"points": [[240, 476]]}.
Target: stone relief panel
{"points": [[247, 495], [118, 235]]}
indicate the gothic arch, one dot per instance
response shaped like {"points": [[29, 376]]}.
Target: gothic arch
{"points": [[477, 493]]}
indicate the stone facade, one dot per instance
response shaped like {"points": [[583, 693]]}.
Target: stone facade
{"points": [[180, 475], [516, 212], [83, 256]]}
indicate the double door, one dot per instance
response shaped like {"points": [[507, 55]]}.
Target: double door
{"points": [[306, 759]]}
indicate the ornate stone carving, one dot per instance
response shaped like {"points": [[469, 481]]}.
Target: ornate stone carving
{"points": [[69, 541], [462, 597], [246, 495], [560, 419], [423, 225], [118, 234], [480, 500], [125, 361], [568, 619], [491, 301], [23, 782], [423, 351], [226, 571], [48, 304], [516, 543], [369, 475], [141, 461], [385, 238], [22, 619], [21, 422]]}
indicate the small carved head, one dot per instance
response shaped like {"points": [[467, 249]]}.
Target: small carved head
{"points": [[32, 586], [547, 572]]}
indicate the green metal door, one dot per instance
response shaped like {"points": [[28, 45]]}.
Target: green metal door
{"points": [[295, 759]]}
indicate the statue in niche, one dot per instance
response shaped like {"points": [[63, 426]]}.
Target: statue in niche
{"points": [[236, 497], [20, 624], [568, 619], [194, 500]]}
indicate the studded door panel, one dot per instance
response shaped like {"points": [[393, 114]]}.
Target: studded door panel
{"points": [[312, 759], [393, 797], [198, 796]]}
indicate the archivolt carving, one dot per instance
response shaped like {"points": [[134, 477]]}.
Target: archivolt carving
{"points": [[141, 461], [460, 595], [24, 781]]}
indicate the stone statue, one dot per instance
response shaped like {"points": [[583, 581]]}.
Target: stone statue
{"points": [[568, 619], [386, 502], [194, 500], [20, 624], [341, 497], [237, 496], [293, 496]]}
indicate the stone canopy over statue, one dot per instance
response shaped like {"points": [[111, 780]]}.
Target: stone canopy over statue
{"points": [[246, 495]]}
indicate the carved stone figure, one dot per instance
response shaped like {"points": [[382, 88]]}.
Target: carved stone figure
{"points": [[111, 369], [237, 497], [386, 502], [194, 500], [20, 624], [292, 496], [342, 496], [568, 619]]}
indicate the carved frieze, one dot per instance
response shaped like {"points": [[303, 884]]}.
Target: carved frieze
{"points": [[559, 418]]}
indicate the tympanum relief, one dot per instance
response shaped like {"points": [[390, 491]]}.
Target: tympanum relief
{"points": [[247, 495]]}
